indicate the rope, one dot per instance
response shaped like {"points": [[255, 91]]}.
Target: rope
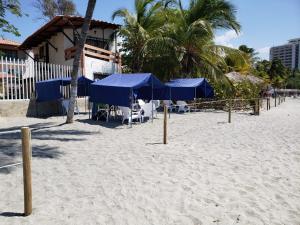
{"points": [[10, 165]]}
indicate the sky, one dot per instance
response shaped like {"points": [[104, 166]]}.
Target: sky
{"points": [[265, 23]]}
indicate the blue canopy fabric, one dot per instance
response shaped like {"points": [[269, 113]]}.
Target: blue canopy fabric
{"points": [[83, 86], [189, 89], [120, 89], [49, 90]]}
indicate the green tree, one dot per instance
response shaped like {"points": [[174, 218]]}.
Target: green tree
{"points": [[164, 38], [51, 8], [249, 53], [138, 28], [293, 81], [13, 7], [278, 73], [261, 69]]}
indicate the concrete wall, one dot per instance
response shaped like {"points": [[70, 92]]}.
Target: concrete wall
{"points": [[29, 108], [93, 65]]}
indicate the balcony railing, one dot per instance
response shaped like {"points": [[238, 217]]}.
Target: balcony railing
{"points": [[94, 52]]}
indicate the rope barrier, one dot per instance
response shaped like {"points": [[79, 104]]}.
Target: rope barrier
{"points": [[10, 165], [237, 104]]}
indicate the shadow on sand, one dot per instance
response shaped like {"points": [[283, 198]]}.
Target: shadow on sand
{"points": [[11, 214], [10, 142]]}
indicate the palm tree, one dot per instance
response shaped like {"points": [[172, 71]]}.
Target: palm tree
{"points": [[164, 38], [138, 28], [187, 37], [76, 61]]}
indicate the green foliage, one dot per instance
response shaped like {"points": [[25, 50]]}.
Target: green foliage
{"points": [[250, 54], [222, 89], [293, 82], [278, 73], [164, 38], [273, 72], [13, 7], [51, 8], [246, 90]]}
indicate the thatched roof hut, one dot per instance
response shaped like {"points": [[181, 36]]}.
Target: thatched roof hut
{"points": [[238, 77]]}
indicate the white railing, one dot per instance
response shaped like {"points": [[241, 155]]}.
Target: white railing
{"points": [[18, 77]]}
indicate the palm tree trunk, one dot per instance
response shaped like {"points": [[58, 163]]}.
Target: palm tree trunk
{"points": [[79, 50]]}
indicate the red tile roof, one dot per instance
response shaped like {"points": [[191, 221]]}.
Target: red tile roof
{"points": [[9, 42]]}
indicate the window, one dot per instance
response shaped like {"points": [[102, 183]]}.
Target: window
{"points": [[94, 41], [10, 53], [41, 52]]}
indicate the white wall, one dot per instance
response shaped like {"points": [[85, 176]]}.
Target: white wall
{"points": [[98, 66], [61, 42]]}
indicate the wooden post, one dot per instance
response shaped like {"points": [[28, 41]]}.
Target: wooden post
{"points": [[229, 111], [275, 99], [258, 106], [279, 100], [26, 154], [165, 124]]}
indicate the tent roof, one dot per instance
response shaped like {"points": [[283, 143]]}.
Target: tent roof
{"points": [[134, 81], [186, 82], [189, 89], [48, 90], [118, 89], [67, 80]]}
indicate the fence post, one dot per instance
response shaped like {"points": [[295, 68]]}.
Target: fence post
{"points": [[165, 124], [26, 154], [229, 111], [275, 99], [258, 106]]}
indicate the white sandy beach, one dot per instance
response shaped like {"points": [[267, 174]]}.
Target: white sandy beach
{"points": [[210, 172]]}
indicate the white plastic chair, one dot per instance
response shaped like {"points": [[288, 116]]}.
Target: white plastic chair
{"points": [[147, 108], [126, 115], [183, 106], [169, 105], [141, 102], [65, 105]]}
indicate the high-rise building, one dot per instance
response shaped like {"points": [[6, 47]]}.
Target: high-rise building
{"points": [[289, 54]]}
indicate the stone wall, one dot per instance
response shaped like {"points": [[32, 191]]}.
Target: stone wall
{"points": [[29, 108]]}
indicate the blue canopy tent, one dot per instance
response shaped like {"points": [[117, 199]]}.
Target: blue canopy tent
{"points": [[49, 90], [189, 89], [122, 89]]}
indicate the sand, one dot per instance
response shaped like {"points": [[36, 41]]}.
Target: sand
{"points": [[210, 172]]}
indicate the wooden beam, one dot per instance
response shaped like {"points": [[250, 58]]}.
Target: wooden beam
{"points": [[28, 55], [51, 45], [68, 37]]}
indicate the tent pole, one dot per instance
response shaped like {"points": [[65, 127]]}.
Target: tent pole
{"points": [[170, 103], [204, 88], [152, 101], [90, 112], [195, 99], [131, 108], [85, 99]]}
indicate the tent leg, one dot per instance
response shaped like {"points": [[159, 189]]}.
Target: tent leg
{"points": [[152, 111], [85, 104], [130, 117]]}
